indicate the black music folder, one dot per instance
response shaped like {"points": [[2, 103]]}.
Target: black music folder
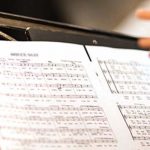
{"points": [[85, 37]]}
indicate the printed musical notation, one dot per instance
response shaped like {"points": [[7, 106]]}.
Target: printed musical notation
{"points": [[137, 119], [50, 105], [126, 78], [49, 80]]}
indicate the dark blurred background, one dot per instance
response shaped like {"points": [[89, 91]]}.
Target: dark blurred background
{"points": [[97, 14]]}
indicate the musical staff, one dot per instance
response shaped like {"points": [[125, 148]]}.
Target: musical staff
{"points": [[126, 78], [137, 118], [57, 106]]}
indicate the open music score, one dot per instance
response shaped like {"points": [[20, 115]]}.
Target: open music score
{"points": [[54, 98]]}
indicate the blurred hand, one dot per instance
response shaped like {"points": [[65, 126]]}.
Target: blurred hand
{"points": [[143, 14]]}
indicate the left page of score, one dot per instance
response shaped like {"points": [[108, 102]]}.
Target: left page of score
{"points": [[48, 99]]}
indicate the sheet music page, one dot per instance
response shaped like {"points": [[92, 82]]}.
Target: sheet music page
{"points": [[49, 101], [125, 76]]}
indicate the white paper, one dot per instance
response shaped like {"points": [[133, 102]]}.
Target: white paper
{"points": [[125, 77], [49, 100]]}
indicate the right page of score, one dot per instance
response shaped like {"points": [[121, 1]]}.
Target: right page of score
{"points": [[125, 77]]}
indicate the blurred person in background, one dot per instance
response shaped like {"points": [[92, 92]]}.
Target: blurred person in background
{"points": [[143, 14]]}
